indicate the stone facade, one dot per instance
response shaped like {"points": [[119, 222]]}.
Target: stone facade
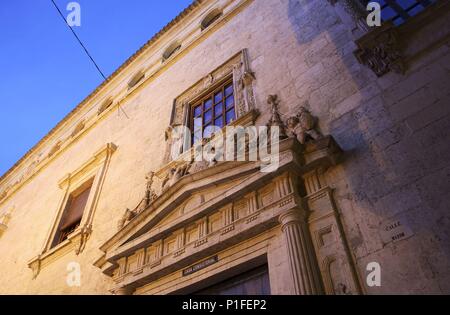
{"points": [[366, 115]]}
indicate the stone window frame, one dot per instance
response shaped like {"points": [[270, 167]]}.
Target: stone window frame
{"points": [[94, 170], [237, 68]]}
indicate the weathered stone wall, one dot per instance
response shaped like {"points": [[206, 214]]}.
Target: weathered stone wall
{"points": [[394, 130]]}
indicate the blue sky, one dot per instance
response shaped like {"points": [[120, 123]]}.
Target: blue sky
{"points": [[44, 73]]}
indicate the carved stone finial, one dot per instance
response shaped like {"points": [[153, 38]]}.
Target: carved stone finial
{"points": [[275, 119], [356, 10], [127, 217], [168, 133], [247, 78], [150, 194], [303, 126]]}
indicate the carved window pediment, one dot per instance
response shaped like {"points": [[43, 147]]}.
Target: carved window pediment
{"points": [[212, 209]]}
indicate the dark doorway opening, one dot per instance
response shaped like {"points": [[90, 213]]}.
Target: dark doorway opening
{"points": [[253, 282]]}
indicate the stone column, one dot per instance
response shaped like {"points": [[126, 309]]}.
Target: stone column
{"points": [[302, 260]]}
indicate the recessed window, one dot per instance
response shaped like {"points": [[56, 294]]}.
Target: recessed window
{"points": [[136, 79], [73, 213], [172, 49], [104, 106], [210, 18], [216, 109]]}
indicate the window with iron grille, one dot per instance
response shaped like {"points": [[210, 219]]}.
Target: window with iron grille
{"points": [[216, 108], [73, 213], [398, 11]]}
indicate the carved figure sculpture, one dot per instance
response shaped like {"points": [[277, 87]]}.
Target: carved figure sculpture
{"points": [[150, 194], [275, 119], [127, 217], [303, 126], [174, 175]]}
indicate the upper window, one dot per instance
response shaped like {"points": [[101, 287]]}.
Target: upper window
{"points": [[217, 109], [173, 48], [210, 18], [136, 79], [398, 11], [73, 213]]}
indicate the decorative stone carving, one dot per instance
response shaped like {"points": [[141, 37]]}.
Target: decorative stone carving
{"points": [[127, 217], [178, 235], [198, 166], [208, 81], [81, 238], [4, 220], [380, 50], [275, 119], [303, 126], [355, 9], [330, 245], [202, 86], [174, 142], [239, 68], [174, 175], [150, 193], [243, 78]]}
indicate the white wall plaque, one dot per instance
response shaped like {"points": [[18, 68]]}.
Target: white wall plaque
{"points": [[394, 230]]}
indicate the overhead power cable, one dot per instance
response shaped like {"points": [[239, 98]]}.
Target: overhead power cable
{"points": [[79, 40]]}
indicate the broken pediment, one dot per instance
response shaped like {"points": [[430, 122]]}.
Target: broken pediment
{"points": [[210, 210]]}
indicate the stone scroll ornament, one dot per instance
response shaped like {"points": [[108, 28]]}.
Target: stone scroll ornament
{"points": [[381, 51]]}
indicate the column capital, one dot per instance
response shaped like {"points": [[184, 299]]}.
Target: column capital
{"points": [[294, 215]]}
